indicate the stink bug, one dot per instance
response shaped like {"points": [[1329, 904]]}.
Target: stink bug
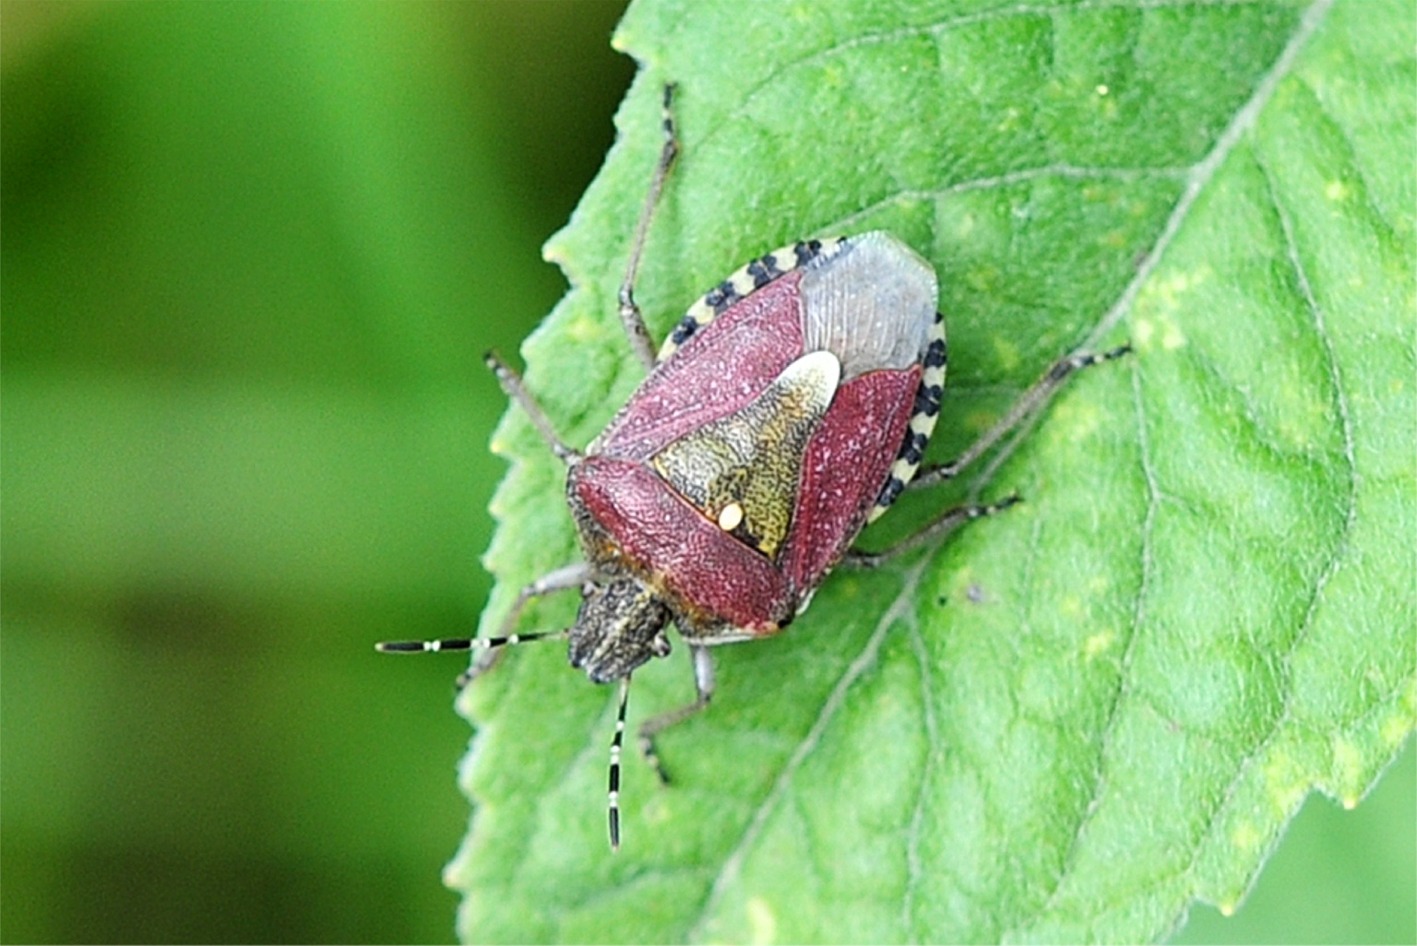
{"points": [[790, 406]]}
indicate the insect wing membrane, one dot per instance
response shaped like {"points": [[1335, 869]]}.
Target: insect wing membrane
{"points": [[874, 306]]}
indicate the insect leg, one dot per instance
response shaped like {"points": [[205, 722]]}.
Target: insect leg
{"points": [[703, 682], [562, 579], [511, 383], [948, 521], [1025, 408], [630, 315]]}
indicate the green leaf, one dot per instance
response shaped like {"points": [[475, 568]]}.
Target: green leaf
{"points": [[1071, 721]]}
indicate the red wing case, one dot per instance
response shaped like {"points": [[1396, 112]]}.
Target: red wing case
{"points": [[742, 469], [846, 463], [718, 373]]}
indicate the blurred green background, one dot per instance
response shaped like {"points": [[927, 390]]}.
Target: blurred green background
{"points": [[250, 256]]}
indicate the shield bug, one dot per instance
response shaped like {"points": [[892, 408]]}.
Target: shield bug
{"points": [[790, 407]]}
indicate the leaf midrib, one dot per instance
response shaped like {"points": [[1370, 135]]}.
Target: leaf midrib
{"points": [[1197, 178], [901, 609]]}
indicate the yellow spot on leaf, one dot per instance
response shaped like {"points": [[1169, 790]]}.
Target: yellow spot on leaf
{"points": [[1246, 838], [1172, 337], [1102, 89], [1347, 763], [554, 251], [1142, 332], [1337, 190], [1158, 330], [1007, 352], [1098, 644], [1166, 293], [584, 329], [1395, 729], [762, 922], [1285, 782], [1077, 420]]}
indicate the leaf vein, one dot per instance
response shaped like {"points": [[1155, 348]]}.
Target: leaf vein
{"points": [[915, 870], [1336, 558], [1060, 170], [1050, 10], [1281, 722], [1205, 169], [1200, 176], [899, 610]]}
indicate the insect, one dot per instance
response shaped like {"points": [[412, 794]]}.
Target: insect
{"points": [[790, 407]]}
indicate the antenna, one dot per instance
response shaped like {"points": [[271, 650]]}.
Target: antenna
{"points": [[462, 643], [487, 645], [561, 579], [615, 746]]}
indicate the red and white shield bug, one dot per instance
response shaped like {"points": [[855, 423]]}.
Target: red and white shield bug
{"points": [[790, 407]]}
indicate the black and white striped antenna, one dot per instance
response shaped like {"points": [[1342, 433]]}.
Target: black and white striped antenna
{"points": [[616, 745]]}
